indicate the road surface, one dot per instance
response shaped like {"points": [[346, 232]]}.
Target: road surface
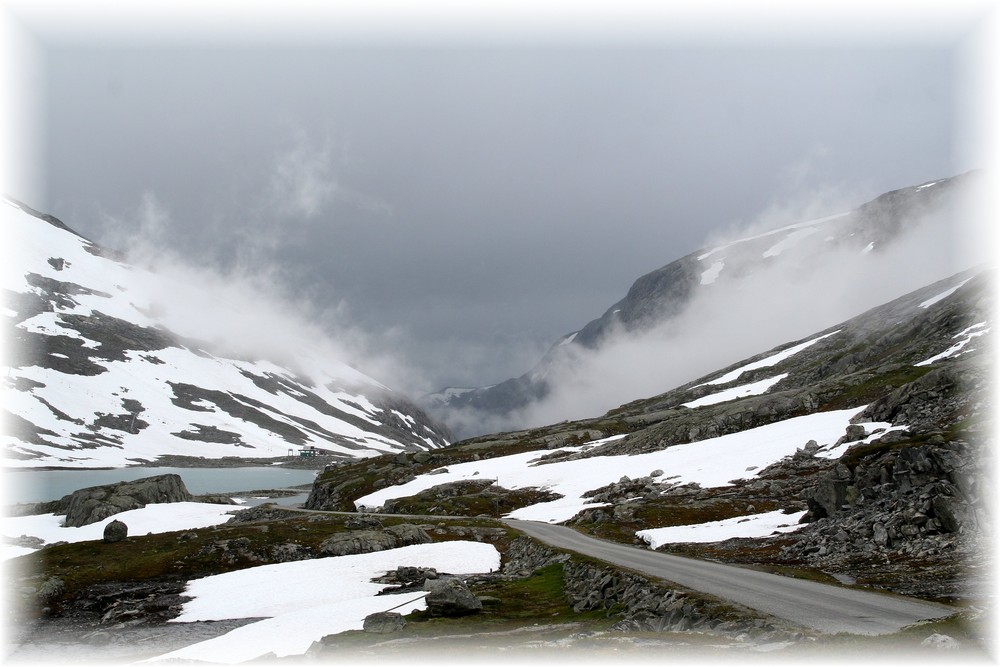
{"points": [[805, 603]]}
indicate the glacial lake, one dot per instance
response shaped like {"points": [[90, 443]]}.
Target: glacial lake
{"points": [[27, 486]]}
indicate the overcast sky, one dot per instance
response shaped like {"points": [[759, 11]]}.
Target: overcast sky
{"points": [[469, 196]]}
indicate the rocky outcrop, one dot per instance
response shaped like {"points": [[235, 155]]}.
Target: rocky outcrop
{"points": [[641, 604], [650, 607], [369, 541], [525, 556], [898, 501], [265, 512], [97, 503]]}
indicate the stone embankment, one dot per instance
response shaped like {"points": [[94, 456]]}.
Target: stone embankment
{"points": [[641, 603]]}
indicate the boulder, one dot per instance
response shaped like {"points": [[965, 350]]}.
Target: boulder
{"points": [[953, 514], [97, 503], [116, 531], [828, 496], [450, 597], [51, 589], [384, 622]]}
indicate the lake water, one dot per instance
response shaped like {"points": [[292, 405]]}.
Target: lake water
{"points": [[28, 486]]}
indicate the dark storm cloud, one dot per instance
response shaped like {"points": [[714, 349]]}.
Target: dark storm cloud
{"points": [[469, 204]]}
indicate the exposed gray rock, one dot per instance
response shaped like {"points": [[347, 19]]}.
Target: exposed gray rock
{"points": [[384, 622], [50, 590], [369, 541], [265, 512], [450, 597], [97, 503], [649, 607], [525, 556], [407, 534], [406, 574], [115, 531], [363, 523], [357, 542]]}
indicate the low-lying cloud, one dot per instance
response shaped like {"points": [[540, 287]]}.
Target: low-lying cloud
{"points": [[248, 308], [753, 306]]}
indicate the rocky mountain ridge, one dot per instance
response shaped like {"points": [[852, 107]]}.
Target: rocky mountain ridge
{"points": [[658, 298]]}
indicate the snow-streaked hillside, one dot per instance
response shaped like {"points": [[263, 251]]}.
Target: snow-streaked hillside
{"points": [[99, 375], [714, 462], [766, 282]]}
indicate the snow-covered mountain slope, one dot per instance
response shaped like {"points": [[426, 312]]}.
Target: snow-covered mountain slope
{"points": [[773, 269], [98, 376]]}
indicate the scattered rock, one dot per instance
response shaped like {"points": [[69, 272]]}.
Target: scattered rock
{"points": [[116, 531], [384, 622], [50, 590], [450, 597]]}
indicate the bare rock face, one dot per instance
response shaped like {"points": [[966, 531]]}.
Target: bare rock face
{"points": [[368, 541], [96, 503], [116, 531], [357, 542]]}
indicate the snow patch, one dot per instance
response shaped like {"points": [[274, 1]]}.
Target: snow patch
{"points": [[943, 295], [568, 339], [709, 275], [768, 361], [789, 241], [797, 225], [753, 525], [976, 330], [752, 389]]}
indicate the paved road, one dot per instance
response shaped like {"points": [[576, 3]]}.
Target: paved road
{"points": [[806, 603]]}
